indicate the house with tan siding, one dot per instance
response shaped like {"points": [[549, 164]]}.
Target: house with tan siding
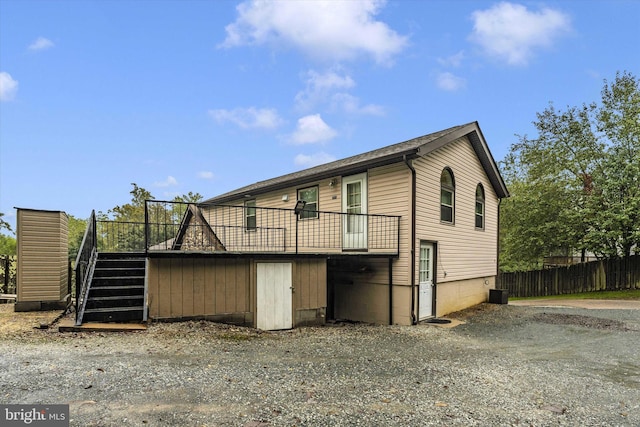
{"points": [[397, 235]]}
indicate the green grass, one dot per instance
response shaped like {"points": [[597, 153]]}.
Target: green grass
{"points": [[632, 294]]}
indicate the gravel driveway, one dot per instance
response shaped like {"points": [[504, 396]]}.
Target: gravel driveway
{"points": [[507, 365]]}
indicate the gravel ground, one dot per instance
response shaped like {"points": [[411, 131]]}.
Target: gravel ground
{"points": [[507, 365]]}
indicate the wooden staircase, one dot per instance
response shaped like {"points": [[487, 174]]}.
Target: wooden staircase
{"points": [[116, 293]]}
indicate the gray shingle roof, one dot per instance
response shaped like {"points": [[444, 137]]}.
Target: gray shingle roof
{"points": [[381, 156]]}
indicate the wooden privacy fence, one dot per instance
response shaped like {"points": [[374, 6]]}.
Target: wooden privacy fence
{"points": [[607, 274]]}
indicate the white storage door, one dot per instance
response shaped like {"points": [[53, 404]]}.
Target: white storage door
{"points": [[274, 308]]}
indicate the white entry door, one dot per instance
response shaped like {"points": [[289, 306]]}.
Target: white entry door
{"points": [[274, 296], [426, 281], [354, 203]]}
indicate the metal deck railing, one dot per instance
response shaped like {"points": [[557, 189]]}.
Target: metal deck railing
{"points": [[177, 226]]}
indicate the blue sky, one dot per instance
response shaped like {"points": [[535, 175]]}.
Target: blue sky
{"points": [[208, 96]]}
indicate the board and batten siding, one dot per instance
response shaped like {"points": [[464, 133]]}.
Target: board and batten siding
{"points": [[310, 283], [43, 256], [464, 252], [224, 289], [189, 287]]}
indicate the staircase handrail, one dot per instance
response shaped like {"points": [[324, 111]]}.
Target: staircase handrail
{"points": [[85, 265]]}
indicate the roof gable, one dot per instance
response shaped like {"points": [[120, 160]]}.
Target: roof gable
{"points": [[412, 148]]}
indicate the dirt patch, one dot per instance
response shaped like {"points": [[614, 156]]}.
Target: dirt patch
{"points": [[21, 323], [578, 320], [595, 304], [473, 311]]}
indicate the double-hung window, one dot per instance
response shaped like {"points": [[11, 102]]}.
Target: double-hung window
{"points": [[447, 196], [310, 196], [479, 207], [250, 215]]}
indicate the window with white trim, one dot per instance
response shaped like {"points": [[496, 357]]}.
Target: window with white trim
{"points": [[480, 207], [250, 215], [447, 196], [310, 196]]}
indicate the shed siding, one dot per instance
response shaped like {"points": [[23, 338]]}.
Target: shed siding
{"points": [[310, 283], [42, 255], [198, 287], [464, 252], [224, 289]]}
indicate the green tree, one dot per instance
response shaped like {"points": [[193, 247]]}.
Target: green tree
{"points": [[133, 211], [7, 245], [122, 227], [76, 228], [575, 187], [190, 197], [5, 224], [615, 203]]}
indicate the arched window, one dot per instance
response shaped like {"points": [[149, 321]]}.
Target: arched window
{"points": [[447, 196], [479, 207]]}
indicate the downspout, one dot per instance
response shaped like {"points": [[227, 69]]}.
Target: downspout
{"points": [[414, 319], [390, 291], [498, 249]]}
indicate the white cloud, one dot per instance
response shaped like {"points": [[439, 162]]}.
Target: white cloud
{"points": [[330, 88], [312, 129], [248, 118], [205, 175], [329, 80], [41, 43], [450, 82], [351, 104], [330, 30], [8, 87], [320, 86], [308, 161], [453, 60], [512, 33], [170, 181]]}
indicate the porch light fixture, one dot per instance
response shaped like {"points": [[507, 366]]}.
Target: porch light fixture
{"points": [[299, 207]]}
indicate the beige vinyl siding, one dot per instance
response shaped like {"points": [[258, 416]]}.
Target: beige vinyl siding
{"points": [[328, 196], [43, 257], [464, 252], [233, 234], [390, 194]]}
